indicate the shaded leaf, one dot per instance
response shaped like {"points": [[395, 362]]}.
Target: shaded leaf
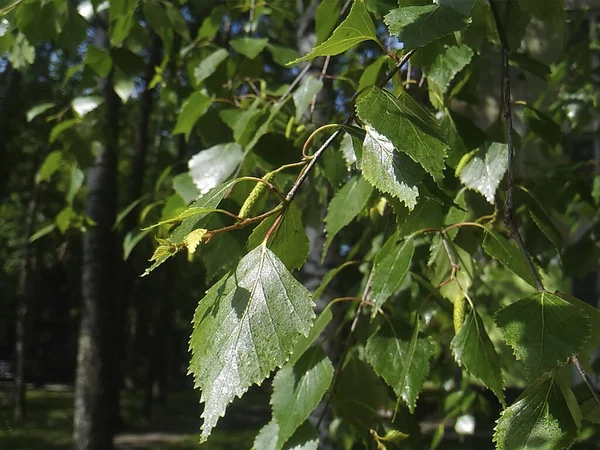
{"points": [[538, 420], [77, 178], [473, 349], [410, 128], [42, 232], [401, 358], [193, 108], [389, 269], [448, 64], [304, 343], [345, 206], [483, 169], [355, 28], [543, 330], [207, 66], [542, 125], [246, 326], [508, 254], [37, 110], [289, 241], [249, 47], [209, 168], [184, 186], [282, 55], [303, 96], [49, 167], [298, 389], [98, 60]]}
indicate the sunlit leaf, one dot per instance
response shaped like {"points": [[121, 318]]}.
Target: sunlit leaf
{"points": [[543, 330], [212, 166], [49, 167], [246, 326], [37, 110], [483, 169]]}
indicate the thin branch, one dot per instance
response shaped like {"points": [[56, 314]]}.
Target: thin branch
{"points": [[302, 178], [586, 378], [510, 218]]}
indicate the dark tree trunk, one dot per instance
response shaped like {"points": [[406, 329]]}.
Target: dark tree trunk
{"points": [[24, 298], [11, 81], [96, 383]]}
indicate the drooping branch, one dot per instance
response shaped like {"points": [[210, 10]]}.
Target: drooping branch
{"points": [[510, 218]]}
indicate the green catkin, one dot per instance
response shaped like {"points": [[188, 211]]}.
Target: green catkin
{"points": [[254, 196], [458, 314], [289, 127]]}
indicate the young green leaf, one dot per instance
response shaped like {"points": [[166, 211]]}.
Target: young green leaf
{"points": [[345, 206], [401, 358], [193, 108], [309, 87], [249, 47], [483, 170], [210, 167], [289, 241], [389, 170], [539, 420], [49, 167], [389, 269], [246, 326], [448, 64], [207, 66], [410, 128], [473, 349], [543, 331], [508, 254], [416, 26], [298, 389], [356, 28]]}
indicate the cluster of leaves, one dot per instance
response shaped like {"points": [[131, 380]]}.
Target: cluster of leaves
{"points": [[415, 188]]}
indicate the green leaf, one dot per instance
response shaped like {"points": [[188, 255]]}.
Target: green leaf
{"points": [[329, 276], [592, 344], [246, 326], [156, 17], [178, 22], [542, 219], [533, 66], [22, 53], [483, 169], [389, 170], [50, 165], [543, 330], [473, 349], [209, 168], [249, 47], [352, 401], [64, 217], [184, 186], [60, 128], [542, 126], [326, 17], [410, 128], [281, 55], [305, 438], [77, 178], [208, 65], [389, 269], [508, 254], [355, 28], [98, 60], [37, 110], [84, 105], [454, 291], [538, 420], [345, 206], [298, 389], [448, 64], [131, 240], [417, 26], [427, 214], [193, 108], [303, 96], [127, 210], [401, 358], [42, 232], [371, 74], [209, 200], [289, 241]]}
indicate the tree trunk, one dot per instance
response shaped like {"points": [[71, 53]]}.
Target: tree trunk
{"points": [[24, 296], [95, 377], [11, 81]]}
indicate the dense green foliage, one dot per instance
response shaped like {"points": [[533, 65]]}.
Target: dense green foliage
{"points": [[461, 229]]}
